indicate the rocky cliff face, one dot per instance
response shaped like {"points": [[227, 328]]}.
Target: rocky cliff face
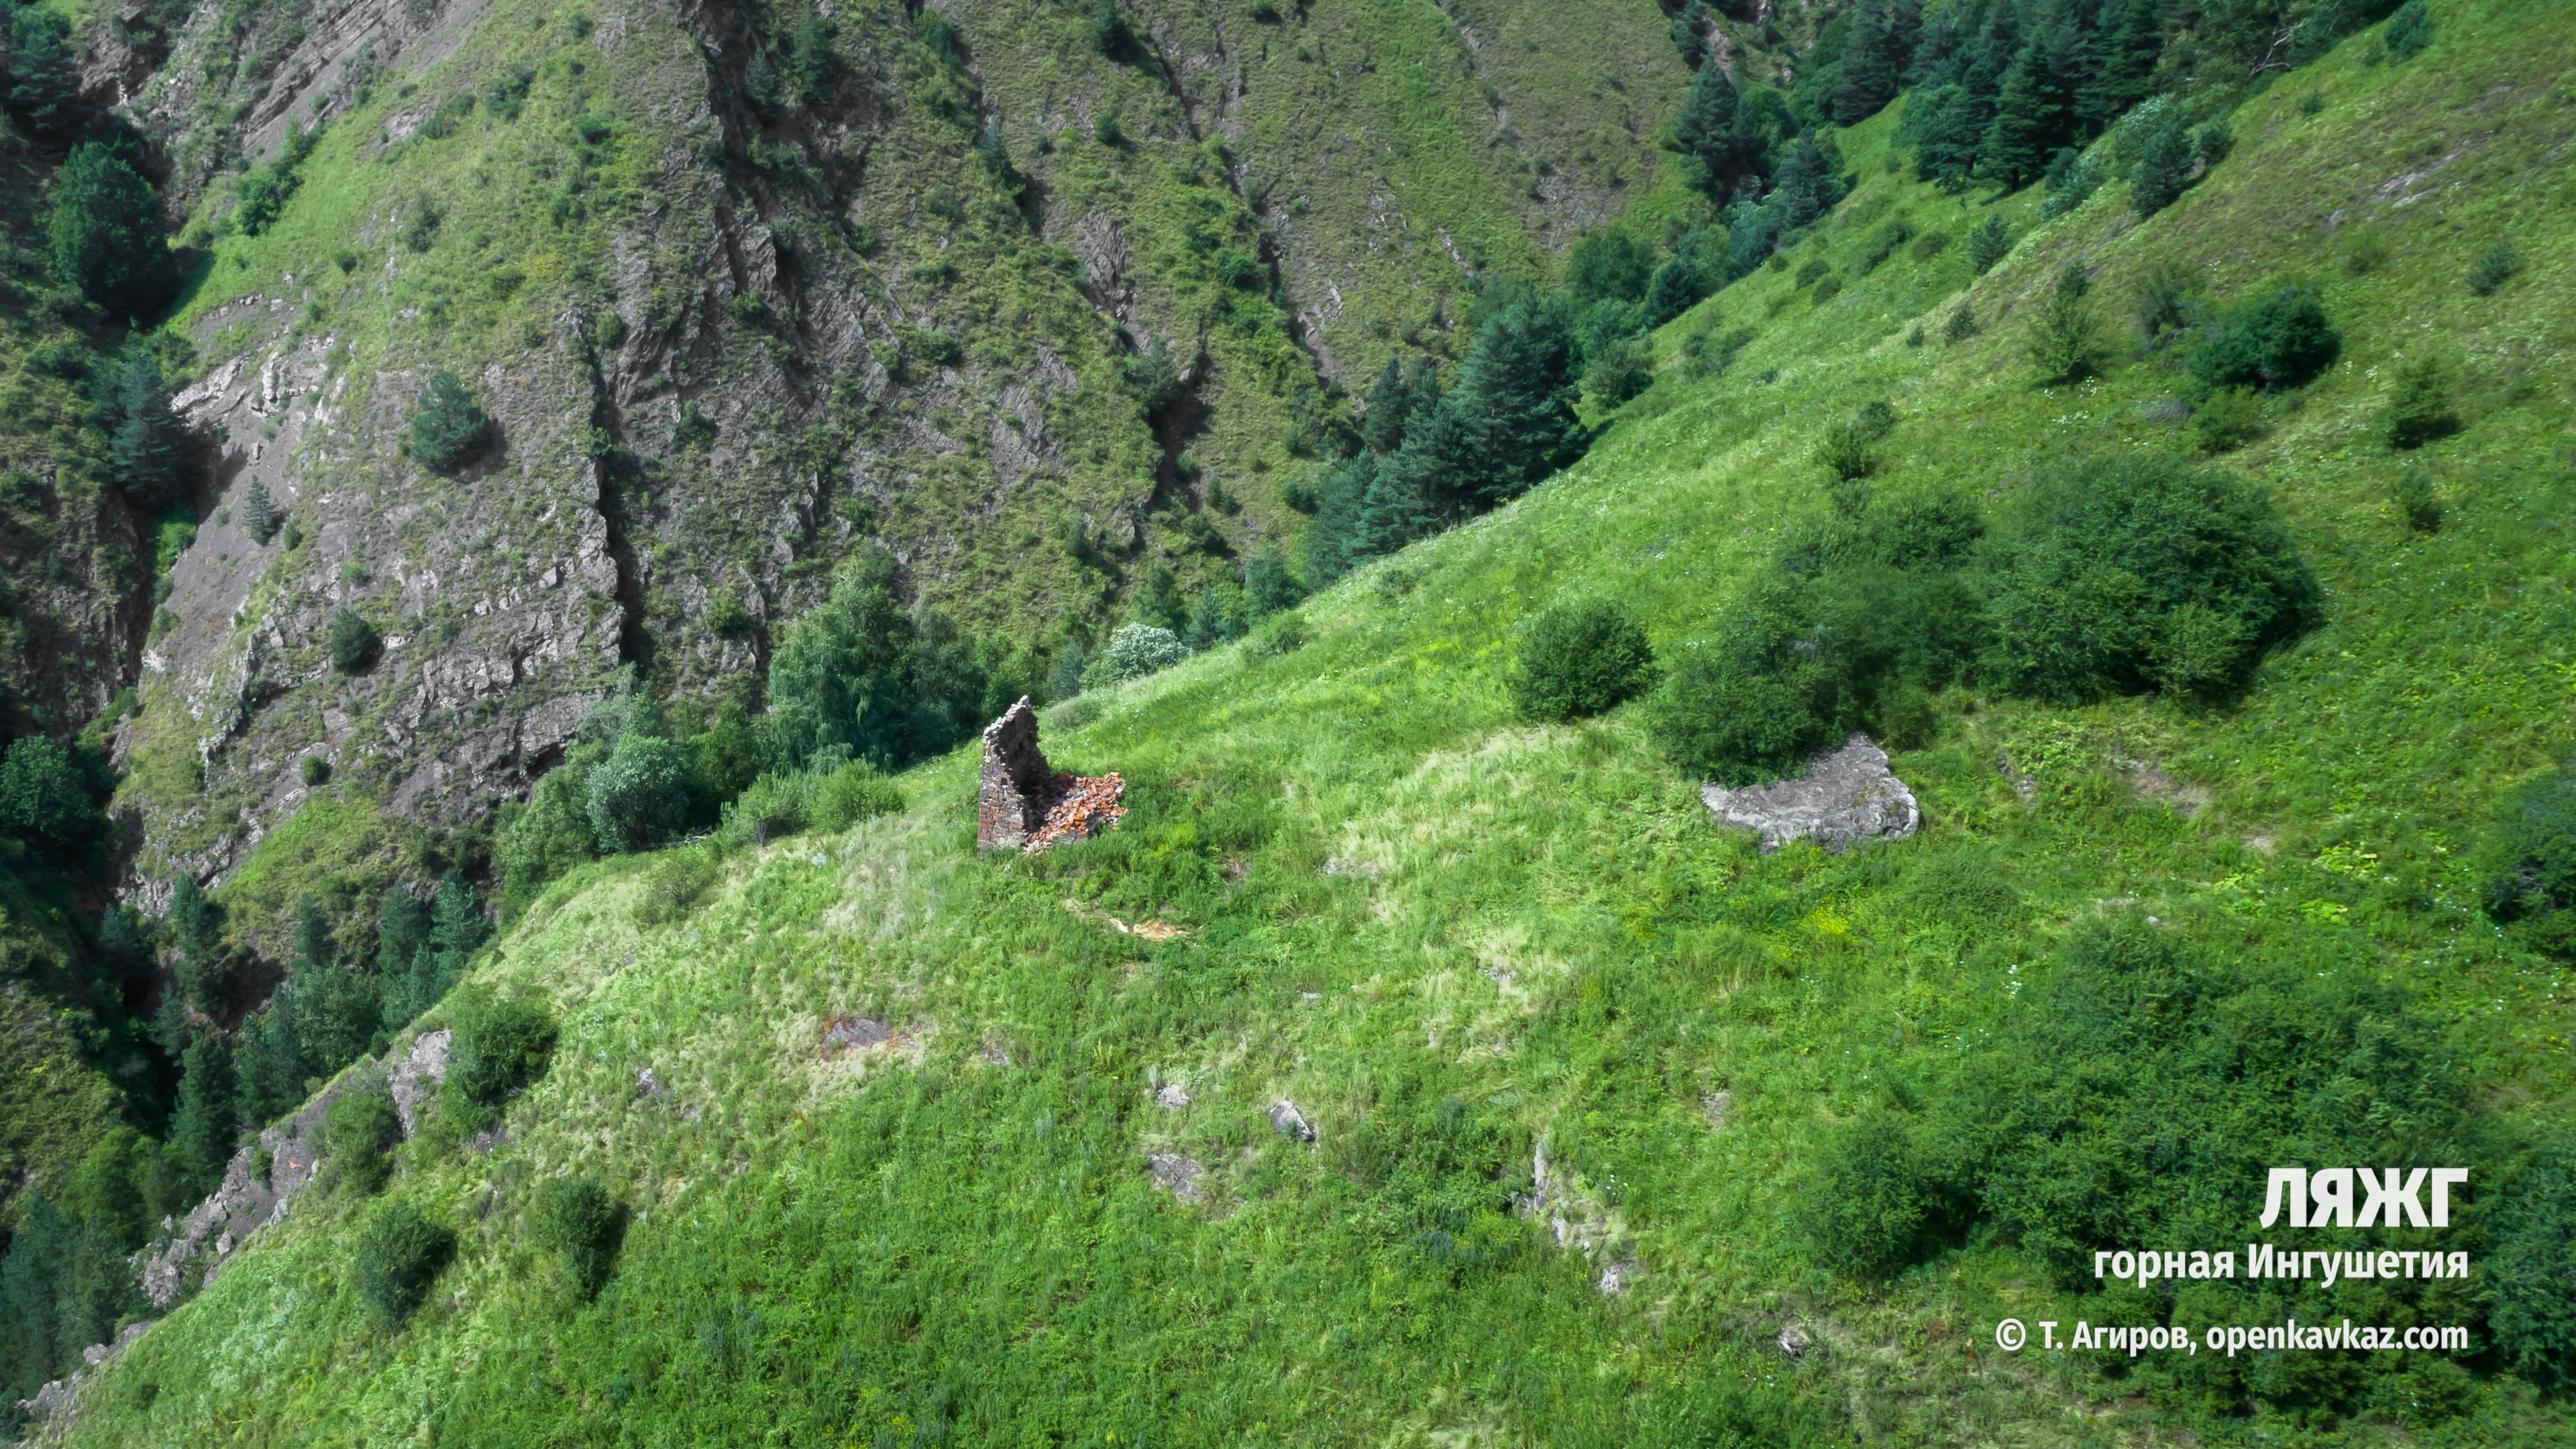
{"points": [[735, 304]]}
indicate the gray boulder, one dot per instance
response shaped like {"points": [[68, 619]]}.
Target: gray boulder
{"points": [[1847, 797]]}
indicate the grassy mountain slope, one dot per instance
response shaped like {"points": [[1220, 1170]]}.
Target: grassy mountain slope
{"points": [[1457, 942]]}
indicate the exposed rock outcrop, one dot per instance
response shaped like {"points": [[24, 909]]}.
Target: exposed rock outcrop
{"points": [[1847, 797]]}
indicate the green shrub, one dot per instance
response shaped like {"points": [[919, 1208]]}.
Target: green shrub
{"points": [[359, 1131], [674, 885], [1929, 245], [1580, 659], [541, 838], [1849, 449], [2530, 864], [1814, 271], [499, 1047], [2365, 250], [2141, 573], [1752, 699], [2066, 343], [1827, 290], [1961, 888], [448, 428], [353, 640], [2275, 341], [399, 1254], [2420, 411], [315, 770], [1137, 650], [1990, 243], [2409, 31], [2165, 303], [771, 807], [850, 794], [2228, 419], [1617, 373], [105, 232], [2412, 493], [1960, 326], [578, 1224], [639, 795], [2533, 1269], [1872, 1202], [2495, 268]]}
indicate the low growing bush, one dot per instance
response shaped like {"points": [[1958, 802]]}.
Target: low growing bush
{"points": [[399, 1253], [2420, 411], [500, 1046], [1580, 659], [578, 1224], [2530, 864], [360, 1132], [2279, 340]]}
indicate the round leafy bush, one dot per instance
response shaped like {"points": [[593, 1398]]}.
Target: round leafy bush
{"points": [[639, 794], [771, 807], [2276, 341], [2531, 864], [1753, 699], [315, 770], [399, 1254], [1580, 659], [2421, 412], [2143, 573], [499, 1047], [1137, 650], [578, 1223]]}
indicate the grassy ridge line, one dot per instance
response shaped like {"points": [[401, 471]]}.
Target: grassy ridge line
{"points": [[1555, 854]]}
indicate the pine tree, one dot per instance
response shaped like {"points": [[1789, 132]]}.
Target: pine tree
{"points": [[44, 74], [105, 232], [1515, 406], [1689, 30], [457, 929], [1905, 40], [1159, 601], [2126, 75], [272, 1065], [1269, 586], [1677, 286], [2164, 167], [1989, 243], [449, 427], [2035, 112], [1867, 77], [1709, 129], [204, 968], [143, 434], [2066, 342], [1411, 494], [1334, 540], [208, 1121], [1806, 187], [259, 514], [337, 1010], [1401, 390], [402, 928]]}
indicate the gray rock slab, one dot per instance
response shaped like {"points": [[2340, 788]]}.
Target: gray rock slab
{"points": [[1847, 797]]}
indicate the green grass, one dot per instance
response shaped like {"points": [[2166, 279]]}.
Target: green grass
{"points": [[1397, 898]]}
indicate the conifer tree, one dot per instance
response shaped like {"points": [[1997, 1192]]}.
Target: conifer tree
{"points": [[449, 427], [2126, 74], [402, 928], [1410, 495], [1400, 391], [1677, 286], [1334, 539], [1159, 601], [1905, 40], [1867, 77], [1515, 405], [2164, 167], [2035, 111], [1689, 30], [44, 74], [259, 514], [1709, 129], [143, 434], [208, 1120], [204, 967], [272, 1064], [1989, 243], [457, 929], [1806, 187]]}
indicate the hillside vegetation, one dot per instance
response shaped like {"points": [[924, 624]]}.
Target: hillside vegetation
{"points": [[1605, 1112]]}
